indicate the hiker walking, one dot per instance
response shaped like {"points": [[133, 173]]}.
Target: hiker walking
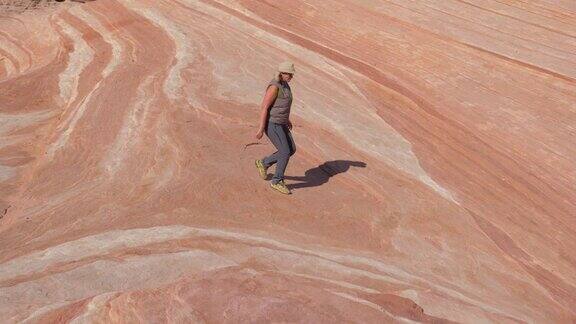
{"points": [[275, 121]]}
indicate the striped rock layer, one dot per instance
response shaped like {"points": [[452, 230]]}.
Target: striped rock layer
{"points": [[434, 179]]}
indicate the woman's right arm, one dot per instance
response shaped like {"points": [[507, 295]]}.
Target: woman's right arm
{"points": [[269, 98]]}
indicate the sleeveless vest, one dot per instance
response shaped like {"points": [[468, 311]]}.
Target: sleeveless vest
{"points": [[280, 109]]}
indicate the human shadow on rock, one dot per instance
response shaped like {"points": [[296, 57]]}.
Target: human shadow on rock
{"points": [[321, 174]]}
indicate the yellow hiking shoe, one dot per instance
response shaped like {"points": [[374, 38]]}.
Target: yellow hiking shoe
{"points": [[261, 169], [280, 186]]}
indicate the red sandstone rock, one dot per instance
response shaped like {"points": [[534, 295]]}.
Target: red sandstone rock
{"points": [[434, 178]]}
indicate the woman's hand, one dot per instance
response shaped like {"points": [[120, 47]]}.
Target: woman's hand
{"points": [[259, 134], [289, 125]]}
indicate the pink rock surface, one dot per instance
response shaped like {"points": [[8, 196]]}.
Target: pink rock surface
{"points": [[434, 178]]}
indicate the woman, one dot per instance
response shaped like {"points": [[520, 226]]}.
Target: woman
{"points": [[275, 121]]}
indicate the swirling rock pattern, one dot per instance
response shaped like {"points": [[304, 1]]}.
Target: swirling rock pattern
{"points": [[434, 178]]}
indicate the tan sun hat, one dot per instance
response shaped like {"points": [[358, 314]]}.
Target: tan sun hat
{"points": [[286, 67]]}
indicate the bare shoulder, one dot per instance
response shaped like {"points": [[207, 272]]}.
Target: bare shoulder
{"points": [[272, 89]]}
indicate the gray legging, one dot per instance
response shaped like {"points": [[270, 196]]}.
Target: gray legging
{"points": [[280, 136]]}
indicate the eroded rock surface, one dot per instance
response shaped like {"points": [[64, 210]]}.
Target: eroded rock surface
{"points": [[433, 181]]}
